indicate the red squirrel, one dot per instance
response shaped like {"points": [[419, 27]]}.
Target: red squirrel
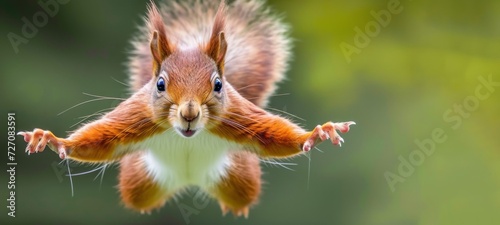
{"points": [[201, 73]]}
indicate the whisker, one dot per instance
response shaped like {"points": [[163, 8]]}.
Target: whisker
{"points": [[79, 104], [93, 114], [308, 155], [70, 178], [99, 98], [142, 121], [102, 175], [159, 125], [237, 126], [206, 101], [86, 172], [120, 82], [101, 172], [250, 85], [244, 117], [104, 97], [154, 128], [281, 164], [231, 122], [274, 95], [139, 123], [278, 95], [318, 149], [286, 113], [168, 100]]}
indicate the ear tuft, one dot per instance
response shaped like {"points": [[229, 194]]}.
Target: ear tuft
{"points": [[160, 46], [217, 45]]}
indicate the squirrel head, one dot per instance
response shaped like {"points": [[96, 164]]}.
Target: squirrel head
{"points": [[188, 84]]}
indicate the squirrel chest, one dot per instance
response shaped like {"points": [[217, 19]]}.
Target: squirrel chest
{"points": [[176, 162]]}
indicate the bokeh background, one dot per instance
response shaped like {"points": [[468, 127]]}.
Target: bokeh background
{"points": [[416, 75]]}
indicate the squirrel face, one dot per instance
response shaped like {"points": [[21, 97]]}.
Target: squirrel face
{"points": [[188, 92], [188, 83]]}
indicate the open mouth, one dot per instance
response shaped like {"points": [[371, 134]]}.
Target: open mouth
{"points": [[187, 132]]}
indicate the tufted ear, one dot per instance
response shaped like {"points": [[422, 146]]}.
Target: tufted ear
{"points": [[160, 46], [217, 45]]}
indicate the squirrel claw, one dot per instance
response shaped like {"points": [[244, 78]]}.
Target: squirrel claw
{"points": [[38, 139], [224, 209], [236, 212], [307, 147], [325, 131], [62, 154]]}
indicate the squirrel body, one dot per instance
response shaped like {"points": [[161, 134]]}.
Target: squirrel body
{"points": [[200, 75]]}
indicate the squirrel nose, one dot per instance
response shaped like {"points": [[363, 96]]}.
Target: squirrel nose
{"points": [[190, 117], [189, 112]]}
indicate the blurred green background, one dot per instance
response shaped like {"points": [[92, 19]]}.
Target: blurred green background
{"points": [[418, 74]]}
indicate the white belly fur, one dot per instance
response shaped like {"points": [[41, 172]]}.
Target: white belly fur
{"points": [[175, 162]]}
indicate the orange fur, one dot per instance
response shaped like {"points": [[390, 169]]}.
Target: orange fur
{"points": [[138, 191], [266, 134], [241, 188], [159, 44], [217, 46], [129, 122]]}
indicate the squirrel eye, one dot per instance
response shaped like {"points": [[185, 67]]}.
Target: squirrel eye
{"points": [[217, 85], [160, 84]]}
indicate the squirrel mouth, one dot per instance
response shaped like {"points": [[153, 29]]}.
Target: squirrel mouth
{"points": [[187, 132]]}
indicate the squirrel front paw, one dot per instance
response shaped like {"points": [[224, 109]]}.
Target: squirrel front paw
{"points": [[39, 139], [327, 131]]}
